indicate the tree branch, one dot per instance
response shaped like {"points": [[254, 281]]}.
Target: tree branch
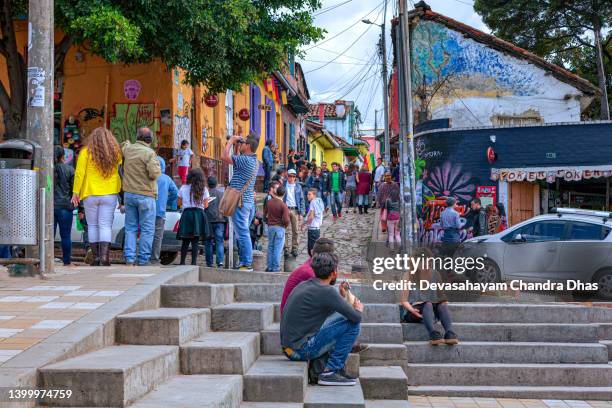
{"points": [[5, 99], [60, 52]]}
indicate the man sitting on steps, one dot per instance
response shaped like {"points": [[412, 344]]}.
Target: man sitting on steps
{"points": [[306, 330]]}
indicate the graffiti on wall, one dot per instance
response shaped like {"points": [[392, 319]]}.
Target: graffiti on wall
{"points": [[182, 130], [128, 117]]}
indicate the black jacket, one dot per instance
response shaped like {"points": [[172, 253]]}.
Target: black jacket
{"points": [[480, 223], [328, 187], [212, 211], [63, 179]]}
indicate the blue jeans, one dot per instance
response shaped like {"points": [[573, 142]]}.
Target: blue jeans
{"points": [[63, 218], [217, 242], [337, 336], [139, 212], [276, 242], [336, 202], [362, 199], [242, 219]]}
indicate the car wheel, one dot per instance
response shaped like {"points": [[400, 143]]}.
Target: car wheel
{"points": [[604, 282], [488, 274], [166, 258]]}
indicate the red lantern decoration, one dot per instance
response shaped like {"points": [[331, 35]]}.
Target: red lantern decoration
{"points": [[211, 100], [244, 114], [491, 155]]}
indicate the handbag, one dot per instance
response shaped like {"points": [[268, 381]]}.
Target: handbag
{"points": [[232, 198]]}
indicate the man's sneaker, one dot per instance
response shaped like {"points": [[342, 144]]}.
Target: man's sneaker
{"points": [[345, 375], [435, 338], [295, 253], [334, 218], [340, 214], [359, 347], [246, 268], [450, 338], [333, 378]]}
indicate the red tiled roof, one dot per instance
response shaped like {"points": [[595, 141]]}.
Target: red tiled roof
{"points": [[330, 109], [423, 11]]}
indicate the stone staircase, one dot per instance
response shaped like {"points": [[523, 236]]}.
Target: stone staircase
{"points": [[216, 344]]}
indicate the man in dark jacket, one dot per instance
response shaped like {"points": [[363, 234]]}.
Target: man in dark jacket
{"points": [[479, 227], [325, 175], [268, 163], [62, 207], [336, 185], [217, 223]]}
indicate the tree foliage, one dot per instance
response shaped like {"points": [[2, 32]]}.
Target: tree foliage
{"points": [[220, 44], [561, 31]]}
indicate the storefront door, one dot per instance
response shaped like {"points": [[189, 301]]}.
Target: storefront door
{"points": [[521, 201]]}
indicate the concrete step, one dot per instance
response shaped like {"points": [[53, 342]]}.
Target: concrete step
{"points": [[199, 295], [331, 397], [384, 354], [381, 313], [246, 317], [605, 331], [524, 392], [387, 404], [258, 292], [270, 340], [195, 391], [276, 379], [543, 375], [507, 353], [171, 326], [522, 332], [220, 353], [608, 345], [519, 313], [114, 376], [271, 405], [384, 382], [388, 333]]}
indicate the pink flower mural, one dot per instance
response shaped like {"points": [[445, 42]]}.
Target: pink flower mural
{"points": [[449, 181]]}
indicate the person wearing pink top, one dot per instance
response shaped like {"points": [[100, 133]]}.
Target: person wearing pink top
{"points": [[304, 272]]}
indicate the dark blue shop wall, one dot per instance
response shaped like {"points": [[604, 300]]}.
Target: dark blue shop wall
{"points": [[454, 162]]}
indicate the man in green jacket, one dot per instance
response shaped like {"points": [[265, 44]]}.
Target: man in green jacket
{"points": [[140, 172]]}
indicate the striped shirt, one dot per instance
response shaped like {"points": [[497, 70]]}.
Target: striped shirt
{"points": [[244, 168]]}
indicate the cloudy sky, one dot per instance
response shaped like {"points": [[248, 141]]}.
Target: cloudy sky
{"points": [[345, 65]]}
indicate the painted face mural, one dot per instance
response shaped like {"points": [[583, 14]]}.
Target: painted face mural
{"points": [[131, 89]]}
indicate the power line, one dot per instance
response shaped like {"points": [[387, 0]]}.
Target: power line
{"points": [[346, 29], [336, 53], [342, 63], [330, 8], [463, 2]]}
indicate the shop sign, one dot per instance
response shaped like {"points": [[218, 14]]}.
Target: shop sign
{"points": [[551, 174], [265, 108]]}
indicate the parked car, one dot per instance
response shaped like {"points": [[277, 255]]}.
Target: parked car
{"points": [[570, 244], [170, 245]]}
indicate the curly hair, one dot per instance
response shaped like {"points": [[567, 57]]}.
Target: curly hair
{"points": [[104, 150], [195, 178]]}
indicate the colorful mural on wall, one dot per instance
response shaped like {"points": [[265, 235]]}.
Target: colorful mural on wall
{"points": [[456, 77], [128, 117]]}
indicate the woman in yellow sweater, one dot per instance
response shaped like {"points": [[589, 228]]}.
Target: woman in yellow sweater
{"points": [[97, 184]]}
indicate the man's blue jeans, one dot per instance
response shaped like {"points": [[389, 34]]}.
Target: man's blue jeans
{"points": [[242, 218], [63, 218], [217, 242], [337, 336], [139, 212], [336, 202], [276, 242]]}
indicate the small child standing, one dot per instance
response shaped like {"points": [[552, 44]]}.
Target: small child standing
{"points": [[183, 156], [193, 226], [392, 207], [277, 214], [314, 219]]}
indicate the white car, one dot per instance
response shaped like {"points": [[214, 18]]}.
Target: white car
{"points": [[170, 245], [570, 244]]}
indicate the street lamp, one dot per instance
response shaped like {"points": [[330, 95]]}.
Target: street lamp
{"points": [[383, 52]]}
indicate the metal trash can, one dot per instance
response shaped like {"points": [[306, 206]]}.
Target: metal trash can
{"points": [[19, 192]]}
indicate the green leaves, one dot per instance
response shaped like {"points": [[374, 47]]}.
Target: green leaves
{"points": [[221, 44]]}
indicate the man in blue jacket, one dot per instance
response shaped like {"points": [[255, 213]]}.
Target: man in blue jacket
{"points": [[294, 198], [268, 163], [166, 192]]}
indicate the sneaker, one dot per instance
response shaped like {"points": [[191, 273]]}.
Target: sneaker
{"points": [[219, 265], [246, 268], [333, 378], [345, 375], [334, 218], [435, 338], [450, 338], [294, 253], [340, 214], [359, 347]]}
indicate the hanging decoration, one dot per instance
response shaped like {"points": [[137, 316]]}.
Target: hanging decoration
{"points": [[243, 114], [211, 100], [491, 155]]}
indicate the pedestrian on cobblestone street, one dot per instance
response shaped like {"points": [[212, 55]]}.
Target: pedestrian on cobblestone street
{"points": [[166, 192], [276, 213], [384, 190], [193, 226], [268, 163], [62, 205], [246, 166], [218, 224], [294, 198], [325, 177], [351, 188], [97, 184], [364, 181], [140, 172], [336, 184], [314, 219]]}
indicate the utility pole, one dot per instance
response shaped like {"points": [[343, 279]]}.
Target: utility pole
{"points": [[40, 114], [407, 182], [383, 46], [601, 73]]}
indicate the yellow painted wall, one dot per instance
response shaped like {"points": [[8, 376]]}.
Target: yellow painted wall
{"points": [[334, 155]]}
